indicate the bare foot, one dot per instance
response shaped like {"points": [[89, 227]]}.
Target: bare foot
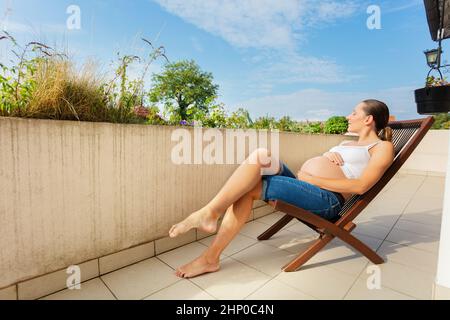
{"points": [[203, 219], [197, 267]]}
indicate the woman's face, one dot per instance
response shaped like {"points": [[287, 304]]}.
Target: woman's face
{"points": [[357, 119]]}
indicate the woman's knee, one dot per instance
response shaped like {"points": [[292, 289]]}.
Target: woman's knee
{"points": [[262, 157]]}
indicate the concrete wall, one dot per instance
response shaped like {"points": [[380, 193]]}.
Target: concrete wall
{"points": [[430, 155], [442, 286], [74, 191]]}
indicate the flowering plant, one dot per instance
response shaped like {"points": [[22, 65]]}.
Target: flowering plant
{"points": [[436, 82]]}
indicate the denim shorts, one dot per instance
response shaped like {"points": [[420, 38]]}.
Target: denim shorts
{"points": [[286, 187]]}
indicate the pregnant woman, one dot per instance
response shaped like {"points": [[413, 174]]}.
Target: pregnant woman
{"points": [[322, 185]]}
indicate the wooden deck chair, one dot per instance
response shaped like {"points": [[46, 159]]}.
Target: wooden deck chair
{"points": [[406, 136]]}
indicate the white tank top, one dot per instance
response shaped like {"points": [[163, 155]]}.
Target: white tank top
{"points": [[355, 158]]}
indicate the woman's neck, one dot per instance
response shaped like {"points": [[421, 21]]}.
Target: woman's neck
{"points": [[368, 137]]}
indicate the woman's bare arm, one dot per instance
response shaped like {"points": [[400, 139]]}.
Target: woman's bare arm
{"points": [[337, 185]]}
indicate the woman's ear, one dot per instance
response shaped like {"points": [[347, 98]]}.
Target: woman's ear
{"points": [[369, 119]]}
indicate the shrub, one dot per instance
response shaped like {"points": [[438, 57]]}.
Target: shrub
{"points": [[61, 93], [265, 122], [287, 124], [239, 119], [336, 125], [313, 127], [213, 117]]}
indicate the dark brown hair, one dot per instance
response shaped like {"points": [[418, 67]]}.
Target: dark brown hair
{"points": [[380, 112]]}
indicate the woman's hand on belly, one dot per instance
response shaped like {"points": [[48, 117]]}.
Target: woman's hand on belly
{"points": [[334, 157]]}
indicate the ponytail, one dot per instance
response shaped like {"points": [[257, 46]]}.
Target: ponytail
{"points": [[386, 134]]}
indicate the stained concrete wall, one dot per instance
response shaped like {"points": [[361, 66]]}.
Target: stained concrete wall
{"points": [[73, 191]]}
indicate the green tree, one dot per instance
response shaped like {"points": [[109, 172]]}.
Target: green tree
{"points": [[184, 89]]}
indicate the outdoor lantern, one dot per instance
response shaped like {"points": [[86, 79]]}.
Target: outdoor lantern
{"points": [[433, 57]]}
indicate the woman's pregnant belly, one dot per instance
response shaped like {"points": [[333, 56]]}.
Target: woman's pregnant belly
{"points": [[322, 167]]}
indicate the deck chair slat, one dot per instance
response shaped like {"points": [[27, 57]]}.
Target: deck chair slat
{"points": [[400, 136]]}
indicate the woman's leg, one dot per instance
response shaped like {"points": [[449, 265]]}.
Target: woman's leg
{"points": [[243, 180], [235, 217]]}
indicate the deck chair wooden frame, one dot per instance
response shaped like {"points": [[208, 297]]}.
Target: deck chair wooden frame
{"points": [[406, 136]]}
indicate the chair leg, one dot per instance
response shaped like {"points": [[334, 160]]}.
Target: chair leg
{"points": [[275, 228], [333, 229], [313, 249], [363, 248], [307, 254]]}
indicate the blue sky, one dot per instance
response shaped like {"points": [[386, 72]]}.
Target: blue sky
{"points": [[309, 59]]}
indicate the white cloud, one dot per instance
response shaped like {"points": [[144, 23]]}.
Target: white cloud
{"points": [[314, 104], [400, 6], [275, 29], [321, 113], [291, 67], [324, 12], [258, 23]]}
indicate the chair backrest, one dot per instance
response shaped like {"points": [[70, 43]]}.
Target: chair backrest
{"points": [[406, 135]]}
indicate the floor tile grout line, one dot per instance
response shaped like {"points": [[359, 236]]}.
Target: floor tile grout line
{"points": [[410, 199], [149, 295], [384, 286], [422, 223], [110, 290], [287, 284], [354, 282], [410, 247], [202, 289], [393, 226], [273, 277], [402, 212], [61, 290], [413, 268], [415, 248], [198, 241], [238, 250], [126, 266], [404, 293], [135, 264]]}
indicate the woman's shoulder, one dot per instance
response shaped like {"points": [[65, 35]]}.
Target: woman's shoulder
{"points": [[385, 144], [384, 147]]}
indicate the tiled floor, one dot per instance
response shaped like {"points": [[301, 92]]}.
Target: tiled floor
{"points": [[402, 224]]}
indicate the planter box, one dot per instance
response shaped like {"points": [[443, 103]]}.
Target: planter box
{"points": [[433, 100]]}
